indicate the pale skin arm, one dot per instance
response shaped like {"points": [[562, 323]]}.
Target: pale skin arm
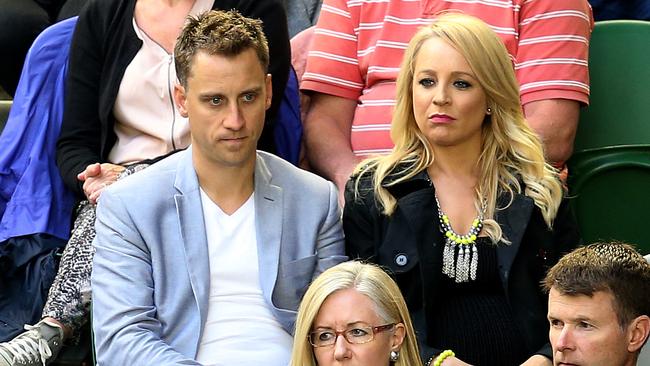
{"points": [[327, 137], [98, 176], [556, 122]]}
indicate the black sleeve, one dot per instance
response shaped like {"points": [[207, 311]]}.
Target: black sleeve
{"points": [[566, 233], [274, 18], [79, 141], [566, 237], [358, 223]]}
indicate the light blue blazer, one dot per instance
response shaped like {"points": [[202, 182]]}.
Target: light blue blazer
{"points": [[151, 275]]}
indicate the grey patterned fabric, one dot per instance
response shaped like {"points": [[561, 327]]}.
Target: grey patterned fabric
{"points": [[69, 298]]}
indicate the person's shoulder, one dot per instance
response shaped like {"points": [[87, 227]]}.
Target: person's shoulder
{"points": [[248, 7], [287, 175], [151, 180], [104, 8], [365, 173], [101, 17]]}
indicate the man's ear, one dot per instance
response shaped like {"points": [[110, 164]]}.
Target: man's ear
{"points": [[637, 333], [180, 99], [269, 91]]}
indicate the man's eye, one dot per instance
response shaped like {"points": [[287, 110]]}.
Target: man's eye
{"points": [[216, 100], [426, 82], [358, 332], [556, 323], [584, 325], [249, 97], [462, 84]]}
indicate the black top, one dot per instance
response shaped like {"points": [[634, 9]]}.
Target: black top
{"points": [[474, 318], [409, 245], [103, 45]]}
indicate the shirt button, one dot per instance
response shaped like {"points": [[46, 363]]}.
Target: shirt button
{"points": [[401, 260]]}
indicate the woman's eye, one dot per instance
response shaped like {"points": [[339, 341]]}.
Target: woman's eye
{"points": [[426, 82], [357, 332], [461, 84], [216, 100], [325, 336]]}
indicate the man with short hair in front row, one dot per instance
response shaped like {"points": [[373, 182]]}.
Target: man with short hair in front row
{"points": [[598, 306], [202, 259]]}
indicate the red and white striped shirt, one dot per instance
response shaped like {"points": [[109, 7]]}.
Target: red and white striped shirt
{"points": [[358, 45]]}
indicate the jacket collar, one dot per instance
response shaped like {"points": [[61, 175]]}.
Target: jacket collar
{"points": [[192, 227], [269, 216], [268, 222], [420, 207]]}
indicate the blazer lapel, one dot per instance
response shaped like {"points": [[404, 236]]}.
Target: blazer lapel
{"points": [[268, 218], [191, 223], [513, 221]]}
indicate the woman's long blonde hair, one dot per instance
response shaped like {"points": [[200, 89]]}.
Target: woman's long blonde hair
{"points": [[511, 151], [369, 280]]}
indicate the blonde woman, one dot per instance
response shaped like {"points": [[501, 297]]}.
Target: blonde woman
{"points": [[464, 209], [354, 313]]}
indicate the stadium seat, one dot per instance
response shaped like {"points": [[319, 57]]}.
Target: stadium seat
{"points": [[609, 172], [609, 189], [619, 73]]}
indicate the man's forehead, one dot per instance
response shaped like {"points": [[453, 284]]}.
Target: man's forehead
{"points": [[580, 306], [246, 56], [243, 69]]}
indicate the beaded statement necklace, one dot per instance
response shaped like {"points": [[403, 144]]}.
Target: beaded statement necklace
{"points": [[461, 266]]}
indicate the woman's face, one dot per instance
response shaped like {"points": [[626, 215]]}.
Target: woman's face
{"points": [[449, 104], [348, 310]]}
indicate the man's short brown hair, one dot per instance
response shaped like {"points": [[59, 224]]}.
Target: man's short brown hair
{"points": [[612, 267], [216, 32]]}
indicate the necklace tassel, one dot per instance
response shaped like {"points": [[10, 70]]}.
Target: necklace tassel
{"points": [[460, 255]]}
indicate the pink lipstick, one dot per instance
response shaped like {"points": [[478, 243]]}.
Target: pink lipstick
{"points": [[441, 118]]}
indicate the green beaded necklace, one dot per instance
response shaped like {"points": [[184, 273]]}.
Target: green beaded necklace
{"points": [[461, 267]]}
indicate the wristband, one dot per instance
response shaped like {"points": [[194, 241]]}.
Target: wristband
{"points": [[441, 357]]}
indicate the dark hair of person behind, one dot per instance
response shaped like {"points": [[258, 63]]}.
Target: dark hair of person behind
{"points": [[226, 33], [612, 267]]}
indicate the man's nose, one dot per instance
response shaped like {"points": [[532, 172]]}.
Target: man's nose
{"points": [[564, 341], [234, 120]]}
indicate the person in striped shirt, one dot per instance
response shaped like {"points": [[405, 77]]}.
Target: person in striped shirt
{"points": [[358, 45]]}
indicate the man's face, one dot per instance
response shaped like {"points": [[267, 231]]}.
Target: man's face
{"points": [[225, 100], [585, 330]]}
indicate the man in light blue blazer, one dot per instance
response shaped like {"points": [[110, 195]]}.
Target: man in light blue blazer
{"points": [[202, 259]]}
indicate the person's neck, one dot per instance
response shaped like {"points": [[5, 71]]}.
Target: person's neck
{"points": [[456, 162], [173, 3], [228, 187]]}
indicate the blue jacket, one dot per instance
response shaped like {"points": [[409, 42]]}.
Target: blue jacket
{"points": [[33, 198]]}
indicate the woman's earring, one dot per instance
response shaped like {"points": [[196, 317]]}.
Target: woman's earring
{"points": [[489, 111], [394, 356]]}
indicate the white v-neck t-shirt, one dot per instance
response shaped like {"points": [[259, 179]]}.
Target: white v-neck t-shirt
{"points": [[240, 328]]}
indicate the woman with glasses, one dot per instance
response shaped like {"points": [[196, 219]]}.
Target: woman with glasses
{"points": [[354, 313], [464, 210]]}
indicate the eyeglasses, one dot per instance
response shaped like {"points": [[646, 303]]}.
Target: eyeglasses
{"points": [[356, 335]]}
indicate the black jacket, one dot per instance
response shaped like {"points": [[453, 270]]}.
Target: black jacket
{"points": [[413, 233], [103, 45]]}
